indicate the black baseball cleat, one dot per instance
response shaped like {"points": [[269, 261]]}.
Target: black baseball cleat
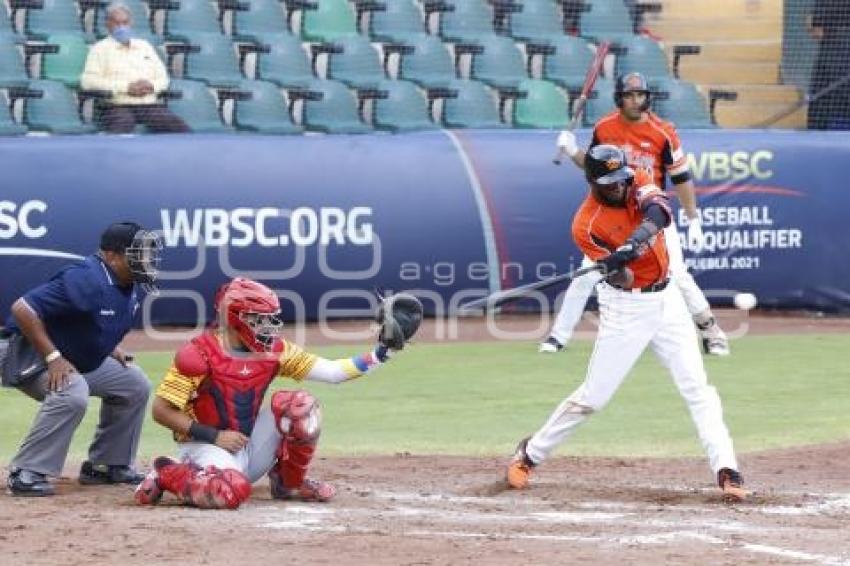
{"points": [[103, 474], [26, 483]]}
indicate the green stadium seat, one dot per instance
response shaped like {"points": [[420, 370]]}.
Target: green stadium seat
{"points": [[606, 20], [403, 109], [335, 111], [467, 22], [500, 64], [261, 17], [54, 109], [55, 16], [542, 105], [601, 101], [429, 64], [13, 73], [212, 60], [397, 23], [265, 112], [358, 64], [680, 102], [197, 106], [538, 21], [283, 61], [66, 65], [567, 65], [141, 19], [642, 55], [191, 17], [471, 106], [9, 127], [330, 20]]}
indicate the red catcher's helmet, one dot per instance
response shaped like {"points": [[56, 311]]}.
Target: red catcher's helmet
{"points": [[253, 310]]}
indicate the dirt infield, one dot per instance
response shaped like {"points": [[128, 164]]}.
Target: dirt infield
{"points": [[433, 510], [450, 510]]}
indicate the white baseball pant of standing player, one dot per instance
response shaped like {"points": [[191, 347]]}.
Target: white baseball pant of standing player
{"points": [[629, 322], [580, 289]]}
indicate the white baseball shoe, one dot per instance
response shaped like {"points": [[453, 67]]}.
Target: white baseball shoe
{"points": [[714, 341], [550, 346]]}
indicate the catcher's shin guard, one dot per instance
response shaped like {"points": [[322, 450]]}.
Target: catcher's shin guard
{"points": [[298, 419], [208, 488]]}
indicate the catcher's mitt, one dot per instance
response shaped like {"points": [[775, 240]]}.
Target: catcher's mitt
{"points": [[399, 316]]}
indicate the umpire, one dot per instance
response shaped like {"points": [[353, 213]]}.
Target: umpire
{"points": [[60, 346]]}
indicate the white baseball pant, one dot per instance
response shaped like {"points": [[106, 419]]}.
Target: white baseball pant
{"points": [[581, 288], [254, 460], [629, 322]]}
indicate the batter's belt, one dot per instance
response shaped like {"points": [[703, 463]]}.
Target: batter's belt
{"points": [[654, 288]]}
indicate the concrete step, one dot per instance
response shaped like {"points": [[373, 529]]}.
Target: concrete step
{"points": [[691, 30], [764, 51], [698, 72], [699, 9], [735, 115], [758, 94]]}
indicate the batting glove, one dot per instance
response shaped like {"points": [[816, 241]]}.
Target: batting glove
{"points": [[615, 262], [567, 143], [696, 239]]}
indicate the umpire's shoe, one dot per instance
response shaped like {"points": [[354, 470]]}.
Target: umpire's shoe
{"points": [[520, 467], [26, 483], [103, 474]]}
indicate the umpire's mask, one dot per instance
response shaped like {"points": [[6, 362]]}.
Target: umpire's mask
{"points": [[142, 248]]}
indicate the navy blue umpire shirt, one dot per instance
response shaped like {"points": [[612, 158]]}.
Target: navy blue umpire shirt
{"points": [[85, 311]]}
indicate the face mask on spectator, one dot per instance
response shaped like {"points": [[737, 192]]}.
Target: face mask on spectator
{"points": [[122, 34]]}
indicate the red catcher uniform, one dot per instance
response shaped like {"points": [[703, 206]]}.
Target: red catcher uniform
{"points": [[226, 392]]}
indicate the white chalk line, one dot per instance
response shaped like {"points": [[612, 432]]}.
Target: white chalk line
{"points": [[315, 519]]}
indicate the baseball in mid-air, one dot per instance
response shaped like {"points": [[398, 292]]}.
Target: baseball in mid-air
{"points": [[745, 301]]}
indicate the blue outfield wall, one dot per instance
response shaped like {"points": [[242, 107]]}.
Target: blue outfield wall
{"points": [[326, 219]]}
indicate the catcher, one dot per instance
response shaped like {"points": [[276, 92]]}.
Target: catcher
{"points": [[211, 399]]}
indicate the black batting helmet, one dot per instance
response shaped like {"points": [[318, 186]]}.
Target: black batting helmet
{"points": [[606, 164], [609, 176], [631, 82]]}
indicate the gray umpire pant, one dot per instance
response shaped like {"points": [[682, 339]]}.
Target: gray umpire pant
{"points": [[124, 393]]}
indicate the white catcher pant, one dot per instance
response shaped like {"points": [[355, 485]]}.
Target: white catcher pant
{"points": [[581, 288], [629, 323], [254, 460]]}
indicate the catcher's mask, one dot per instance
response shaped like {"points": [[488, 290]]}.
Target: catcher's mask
{"points": [[609, 177], [142, 249], [632, 82], [253, 310]]}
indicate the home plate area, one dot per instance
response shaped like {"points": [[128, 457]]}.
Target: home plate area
{"points": [[413, 510]]}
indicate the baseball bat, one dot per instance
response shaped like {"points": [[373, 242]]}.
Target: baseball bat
{"points": [[500, 297], [589, 80]]}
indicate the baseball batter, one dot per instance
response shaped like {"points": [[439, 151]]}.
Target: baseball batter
{"points": [[620, 226], [651, 145], [211, 400]]}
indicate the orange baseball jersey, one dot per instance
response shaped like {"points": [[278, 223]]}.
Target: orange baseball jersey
{"points": [[652, 145], [599, 229]]}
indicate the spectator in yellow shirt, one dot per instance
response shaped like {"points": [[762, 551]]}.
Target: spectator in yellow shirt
{"points": [[132, 72]]}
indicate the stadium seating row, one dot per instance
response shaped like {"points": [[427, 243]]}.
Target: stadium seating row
{"points": [[270, 57]]}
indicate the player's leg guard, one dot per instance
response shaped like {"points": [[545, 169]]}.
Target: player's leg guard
{"points": [[298, 418], [209, 488]]}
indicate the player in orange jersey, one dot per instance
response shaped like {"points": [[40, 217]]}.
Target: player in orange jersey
{"points": [[619, 226], [651, 145]]}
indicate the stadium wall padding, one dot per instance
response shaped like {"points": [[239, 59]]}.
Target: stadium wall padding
{"points": [[453, 214]]}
